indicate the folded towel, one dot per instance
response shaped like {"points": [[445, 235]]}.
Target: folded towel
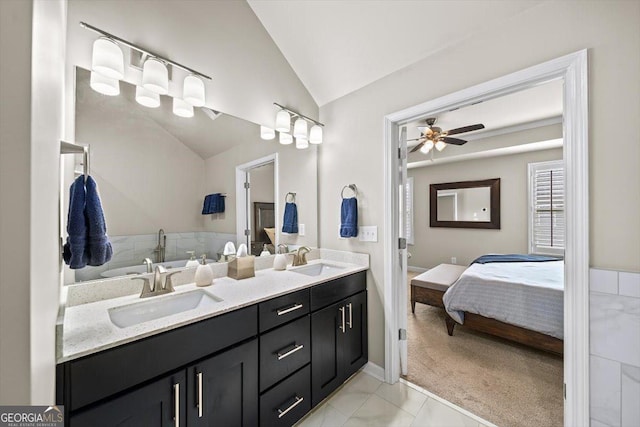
{"points": [[213, 203], [76, 251], [290, 221], [349, 218], [206, 206], [100, 250]]}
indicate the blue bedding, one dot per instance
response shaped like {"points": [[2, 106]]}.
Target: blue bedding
{"points": [[486, 259]]}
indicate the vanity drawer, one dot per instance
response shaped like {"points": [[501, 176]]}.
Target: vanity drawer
{"points": [[336, 290], [283, 309], [287, 402], [284, 350]]}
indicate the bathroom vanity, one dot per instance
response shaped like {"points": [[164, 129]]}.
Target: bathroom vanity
{"points": [[264, 362]]}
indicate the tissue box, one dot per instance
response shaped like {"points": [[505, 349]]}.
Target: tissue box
{"points": [[242, 268]]}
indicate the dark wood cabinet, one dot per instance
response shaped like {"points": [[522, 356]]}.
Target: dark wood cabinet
{"points": [[339, 344]]}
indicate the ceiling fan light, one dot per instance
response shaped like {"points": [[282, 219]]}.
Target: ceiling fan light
{"points": [[283, 122], [193, 91], [155, 76], [315, 134], [440, 145], [300, 128], [302, 143], [182, 108], [267, 133], [107, 58], [147, 98], [285, 138], [104, 85], [426, 147]]}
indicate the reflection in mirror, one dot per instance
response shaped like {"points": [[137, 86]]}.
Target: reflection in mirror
{"points": [[468, 204], [154, 169]]}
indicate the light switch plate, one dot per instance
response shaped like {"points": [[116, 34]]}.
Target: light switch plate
{"points": [[301, 230], [368, 233]]}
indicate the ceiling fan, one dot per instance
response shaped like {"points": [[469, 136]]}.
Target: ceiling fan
{"points": [[432, 136]]}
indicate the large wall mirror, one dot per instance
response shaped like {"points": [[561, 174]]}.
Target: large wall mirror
{"points": [[466, 204], [153, 170]]}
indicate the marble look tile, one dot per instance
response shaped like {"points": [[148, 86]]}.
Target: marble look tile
{"points": [[123, 250], [436, 414], [324, 416], [378, 412], [596, 423], [354, 393], [402, 396], [615, 327], [605, 281], [629, 284], [605, 391], [630, 402]]}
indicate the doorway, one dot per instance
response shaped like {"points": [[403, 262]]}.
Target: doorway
{"points": [[572, 69]]}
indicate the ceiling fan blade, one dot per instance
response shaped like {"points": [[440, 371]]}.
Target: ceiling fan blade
{"points": [[465, 129], [453, 141], [417, 147], [415, 139]]}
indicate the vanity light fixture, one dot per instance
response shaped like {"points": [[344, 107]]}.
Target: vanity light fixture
{"points": [[193, 91], [104, 85], [285, 138], [155, 76], [147, 98], [107, 58], [283, 121], [302, 143], [440, 145], [315, 134], [283, 125], [300, 128], [182, 108], [267, 133]]}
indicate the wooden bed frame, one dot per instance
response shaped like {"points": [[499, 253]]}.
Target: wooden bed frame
{"points": [[487, 325]]}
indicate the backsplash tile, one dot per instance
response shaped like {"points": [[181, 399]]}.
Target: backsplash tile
{"points": [[605, 281], [614, 327], [605, 391], [630, 405], [629, 284]]}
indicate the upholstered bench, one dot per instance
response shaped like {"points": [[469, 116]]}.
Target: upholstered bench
{"points": [[430, 286]]}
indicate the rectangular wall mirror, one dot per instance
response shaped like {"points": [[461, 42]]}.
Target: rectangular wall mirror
{"points": [[466, 204]]}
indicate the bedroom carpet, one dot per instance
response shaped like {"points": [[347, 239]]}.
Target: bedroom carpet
{"points": [[502, 382]]}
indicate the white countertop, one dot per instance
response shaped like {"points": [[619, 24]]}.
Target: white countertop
{"points": [[87, 328]]}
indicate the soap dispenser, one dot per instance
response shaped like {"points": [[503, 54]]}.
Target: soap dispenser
{"points": [[280, 261], [204, 274], [265, 251], [193, 262]]}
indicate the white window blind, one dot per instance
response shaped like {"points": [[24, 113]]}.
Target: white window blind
{"points": [[407, 206], [546, 208]]}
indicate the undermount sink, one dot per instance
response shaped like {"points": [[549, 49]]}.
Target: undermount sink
{"points": [[167, 305], [316, 269]]}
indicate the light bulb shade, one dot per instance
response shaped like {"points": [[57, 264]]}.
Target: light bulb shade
{"points": [[147, 98], [283, 121], [300, 128], [267, 133], [315, 134], [440, 145], [107, 59], [285, 138], [426, 147], [104, 85], [155, 76], [302, 143], [193, 91], [182, 108]]}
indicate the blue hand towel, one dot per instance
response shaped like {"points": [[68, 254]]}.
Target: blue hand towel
{"points": [[218, 203], [76, 253], [290, 221], [100, 250], [349, 218], [206, 206]]}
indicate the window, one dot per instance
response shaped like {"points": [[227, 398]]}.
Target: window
{"points": [[407, 206], [546, 208]]}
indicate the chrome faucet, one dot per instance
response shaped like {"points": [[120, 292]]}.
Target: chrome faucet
{"points": [[162, 283], [149, 264], [301, 258], [162, 244]]}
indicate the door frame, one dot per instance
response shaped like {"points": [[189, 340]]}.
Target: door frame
{"points": [[573, 70]]}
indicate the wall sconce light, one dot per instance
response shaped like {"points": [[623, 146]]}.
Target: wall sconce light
{"points": [[283, 125], [155, 76], [285, 138], [107, 59], [182, 108], [267, 133], [104, 85], [147, 98], [315, 134], [302, 143], [283, 121], [300, 128], [193, 91]]}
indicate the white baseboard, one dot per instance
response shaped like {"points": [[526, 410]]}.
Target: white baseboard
{"points": [[374, 370], [417, 269]]}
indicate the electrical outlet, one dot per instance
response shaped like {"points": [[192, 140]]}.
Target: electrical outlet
{"points": [[453, 260], [301, 230], [368, 233]]}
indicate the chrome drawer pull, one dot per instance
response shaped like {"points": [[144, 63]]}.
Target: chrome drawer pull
{"points": [[176, 400], [350, 323], [289, 309], [290, 352], [342, 326], [200, 392], [282, 413]]}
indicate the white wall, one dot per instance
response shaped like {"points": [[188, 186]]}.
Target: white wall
{"points": [[435, 246], [353, 148]]}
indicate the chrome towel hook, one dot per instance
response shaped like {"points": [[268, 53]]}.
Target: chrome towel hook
{"points": [[351, 187]]}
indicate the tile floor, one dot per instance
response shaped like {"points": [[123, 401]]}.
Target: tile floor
{"points": [[367, 401]]}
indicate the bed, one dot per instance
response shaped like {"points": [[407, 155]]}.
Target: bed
{"points": [[517, 297]]}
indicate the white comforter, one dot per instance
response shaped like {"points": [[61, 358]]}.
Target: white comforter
{"points": [[526, 294]]}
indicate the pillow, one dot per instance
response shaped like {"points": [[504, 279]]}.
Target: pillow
{"points": [[271, 232]]}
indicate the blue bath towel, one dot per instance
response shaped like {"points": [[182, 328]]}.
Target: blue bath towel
{"points": [[76, 251], [349, 218], [100, 250], [213, 203], [290, 221]]}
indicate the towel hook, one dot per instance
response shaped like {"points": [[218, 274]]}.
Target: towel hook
{"points": [[351, 187], [293, 197], [70, 148]]}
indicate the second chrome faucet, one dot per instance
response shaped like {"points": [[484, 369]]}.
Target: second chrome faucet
{"points": [[162, 283]]}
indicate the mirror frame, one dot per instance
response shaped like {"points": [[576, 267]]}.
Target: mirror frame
{"points": [[493, 184]]}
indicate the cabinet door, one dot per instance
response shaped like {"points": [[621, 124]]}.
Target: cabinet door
{"points": [[326, 351], [356, 339], [223, 390], [152, 405]]}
